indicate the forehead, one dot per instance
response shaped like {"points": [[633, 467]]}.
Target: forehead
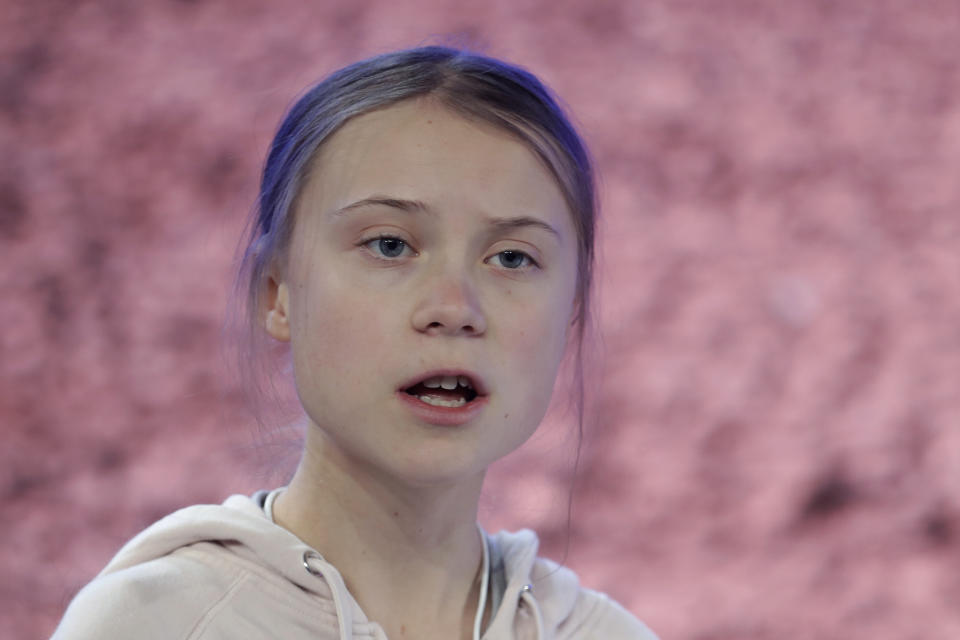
{"points": [[421, 150]]}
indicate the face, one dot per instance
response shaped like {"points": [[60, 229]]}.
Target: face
{"points": [[426, 245]]}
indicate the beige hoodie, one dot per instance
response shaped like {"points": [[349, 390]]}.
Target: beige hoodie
{"points": [[227, 571]]}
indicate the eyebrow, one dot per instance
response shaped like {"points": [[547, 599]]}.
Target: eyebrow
{"points": [[416, 206], [411, 206], [520, 222]]}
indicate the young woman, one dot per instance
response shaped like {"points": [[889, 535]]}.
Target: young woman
{"points": [[423, 242]]}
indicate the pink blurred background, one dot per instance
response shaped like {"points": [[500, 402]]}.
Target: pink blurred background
{"points": [[776, 450]]}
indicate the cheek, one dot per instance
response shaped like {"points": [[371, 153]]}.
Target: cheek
{"points": [[546, 330], [337, 341], [536, 345]]}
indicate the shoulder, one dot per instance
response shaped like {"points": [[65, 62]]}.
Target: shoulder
{"points": [[566, 609], [596, 615], [167, 597], [577, 612]]}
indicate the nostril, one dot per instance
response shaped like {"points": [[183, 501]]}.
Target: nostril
{"points": [[467, 328], [449, 320]]}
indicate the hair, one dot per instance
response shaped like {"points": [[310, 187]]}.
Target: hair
{"points": [[474, 86]]}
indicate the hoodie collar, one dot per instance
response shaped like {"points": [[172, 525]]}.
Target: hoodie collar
{"points": [[536, 593]]}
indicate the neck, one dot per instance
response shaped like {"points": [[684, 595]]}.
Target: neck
{"points": [[410, 554]]}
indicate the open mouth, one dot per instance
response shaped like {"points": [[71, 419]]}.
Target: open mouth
{"points": [[444, 391]]}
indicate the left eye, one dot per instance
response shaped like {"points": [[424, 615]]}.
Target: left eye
{"points": [[513, 259], [387, 246]]}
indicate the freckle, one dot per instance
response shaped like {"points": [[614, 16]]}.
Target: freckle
{"points": [[396, 514], [506, 415]]}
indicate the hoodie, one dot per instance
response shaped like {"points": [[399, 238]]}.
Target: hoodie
{"points": [[227, 571]]}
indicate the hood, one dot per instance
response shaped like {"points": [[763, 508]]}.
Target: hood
{"points": [[239, 520], [538, 595]]}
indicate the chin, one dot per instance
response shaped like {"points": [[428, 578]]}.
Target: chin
{"points": [[444, 470]]}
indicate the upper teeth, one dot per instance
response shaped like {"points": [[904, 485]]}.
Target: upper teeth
{"points": [[447, 382]]}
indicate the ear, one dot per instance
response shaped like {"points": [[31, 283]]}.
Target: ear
{"points": [[277, 321]]}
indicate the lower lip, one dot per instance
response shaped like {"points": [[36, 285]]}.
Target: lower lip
{"points": [[443, 416]]}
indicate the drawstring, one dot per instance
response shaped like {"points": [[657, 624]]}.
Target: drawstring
{"points": [[337, 588], [526, 596], [325, 571], [484, 586], [315, 565]]}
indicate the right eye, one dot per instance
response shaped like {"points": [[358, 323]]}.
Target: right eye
{"points": [[386, 247]]}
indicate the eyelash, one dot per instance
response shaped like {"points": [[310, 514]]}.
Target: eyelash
{"points": [[368, 244], [531, 263], [380, 238]]}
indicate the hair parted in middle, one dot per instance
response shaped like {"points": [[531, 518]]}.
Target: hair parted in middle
{"points": [[474, 86]]}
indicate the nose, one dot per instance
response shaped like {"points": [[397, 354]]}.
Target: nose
{"points": [[449, 305]]}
